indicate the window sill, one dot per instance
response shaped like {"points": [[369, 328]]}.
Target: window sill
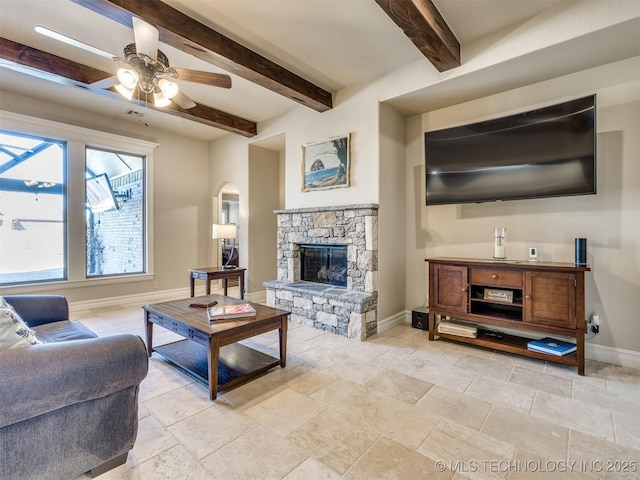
{"points": [[67, 284]]}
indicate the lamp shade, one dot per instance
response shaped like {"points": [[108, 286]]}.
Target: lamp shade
{"points": [[128, 77], [223, 231], [159, 100], [169, 89]]}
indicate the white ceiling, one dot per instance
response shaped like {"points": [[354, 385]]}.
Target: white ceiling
{"points": [[332, 43]]}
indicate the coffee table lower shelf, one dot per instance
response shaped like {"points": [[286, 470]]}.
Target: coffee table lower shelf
{"points": [[236, 363]]}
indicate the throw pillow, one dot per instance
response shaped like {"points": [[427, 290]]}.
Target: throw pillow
{"points": [[13, 331]]}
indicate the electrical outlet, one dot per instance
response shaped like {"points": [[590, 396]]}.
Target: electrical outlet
{"points": [[595, 323], [155, 284]]}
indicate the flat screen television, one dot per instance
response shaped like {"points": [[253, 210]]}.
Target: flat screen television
{"points": [[547, 152]]}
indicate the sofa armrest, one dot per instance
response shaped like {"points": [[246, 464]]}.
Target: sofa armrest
{"points": [[39, 309], [43, 378]]}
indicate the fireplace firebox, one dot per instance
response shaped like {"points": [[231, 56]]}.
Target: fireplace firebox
{"points": [[324, 264]]}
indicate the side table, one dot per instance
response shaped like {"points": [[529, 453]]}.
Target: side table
{"points": [[216, 273]]}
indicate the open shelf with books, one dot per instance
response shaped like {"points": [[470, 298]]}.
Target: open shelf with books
{"points": [[510, 344]]}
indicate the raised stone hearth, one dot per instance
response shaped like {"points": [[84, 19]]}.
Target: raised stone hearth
{"points": [[349, 311]]}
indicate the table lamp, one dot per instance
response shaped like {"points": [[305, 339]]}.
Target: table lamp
{"points": [[225, 232]]}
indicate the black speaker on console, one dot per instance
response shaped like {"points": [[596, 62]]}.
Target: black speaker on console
{"points": [[420, 318], [581, 251]]}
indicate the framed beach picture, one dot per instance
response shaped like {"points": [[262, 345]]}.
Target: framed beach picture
{"points": [[325, 164]]}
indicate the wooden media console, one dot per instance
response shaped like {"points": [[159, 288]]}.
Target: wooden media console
{"points": [[518, 295]]}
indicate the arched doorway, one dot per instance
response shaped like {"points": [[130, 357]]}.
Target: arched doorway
{"points": [[227, 212]]}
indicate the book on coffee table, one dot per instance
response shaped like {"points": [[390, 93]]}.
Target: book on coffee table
{"points": [[220, 312]]}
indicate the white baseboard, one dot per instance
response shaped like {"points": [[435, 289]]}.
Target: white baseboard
{"points": [[141, 298], [388, 323], [600, 353], [157, 296], [257, 297], [616, 356]]}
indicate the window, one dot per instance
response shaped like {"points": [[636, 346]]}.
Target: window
{"points": [[32, 206], [115, 213], [75, 206]]}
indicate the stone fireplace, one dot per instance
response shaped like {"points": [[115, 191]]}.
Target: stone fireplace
{"points": [[335, 286]]}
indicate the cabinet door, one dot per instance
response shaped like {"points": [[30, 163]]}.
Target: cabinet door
{"points": [[550, 299], [448, 287]]}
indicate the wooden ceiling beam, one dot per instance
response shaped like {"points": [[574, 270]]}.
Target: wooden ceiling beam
{"points": [[187, 34], [45, 65], [421, 21], [52, 67]]}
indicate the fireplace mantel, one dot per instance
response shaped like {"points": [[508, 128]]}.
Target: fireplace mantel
{"points": [[350, 311], [339, 208]]}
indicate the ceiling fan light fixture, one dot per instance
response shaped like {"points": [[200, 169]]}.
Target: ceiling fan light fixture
{"points": [[159, 100], [169, 89], [124, 91], [145, 70], [128, 78]]}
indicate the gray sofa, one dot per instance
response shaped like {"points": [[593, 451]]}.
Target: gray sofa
{"points": [[70, 405]]}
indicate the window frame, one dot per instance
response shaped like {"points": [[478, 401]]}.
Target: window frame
{"points": [[77, 140]]}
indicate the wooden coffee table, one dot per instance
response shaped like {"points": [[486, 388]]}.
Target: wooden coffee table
{"points": [[211, 352]]}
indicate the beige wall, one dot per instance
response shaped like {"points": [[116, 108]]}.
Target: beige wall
{"points": [[182, 209], [392, 221], [355, 112], [180, 202], [609, 220], [264, 198], [228, 163], [256, 172]]}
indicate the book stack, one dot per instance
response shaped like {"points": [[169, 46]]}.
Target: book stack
{"points": [[552, 346], [224, 312], [458, 328]]}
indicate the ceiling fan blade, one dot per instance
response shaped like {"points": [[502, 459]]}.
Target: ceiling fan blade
{"points": [[183, 101], [73, 42], [207, 78], [106, 83], [146, 36]]}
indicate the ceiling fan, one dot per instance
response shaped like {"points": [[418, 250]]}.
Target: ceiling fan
{"points": [[145, 70]]}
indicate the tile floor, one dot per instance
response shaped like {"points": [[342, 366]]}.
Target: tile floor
{"points": [[394, 407]]}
